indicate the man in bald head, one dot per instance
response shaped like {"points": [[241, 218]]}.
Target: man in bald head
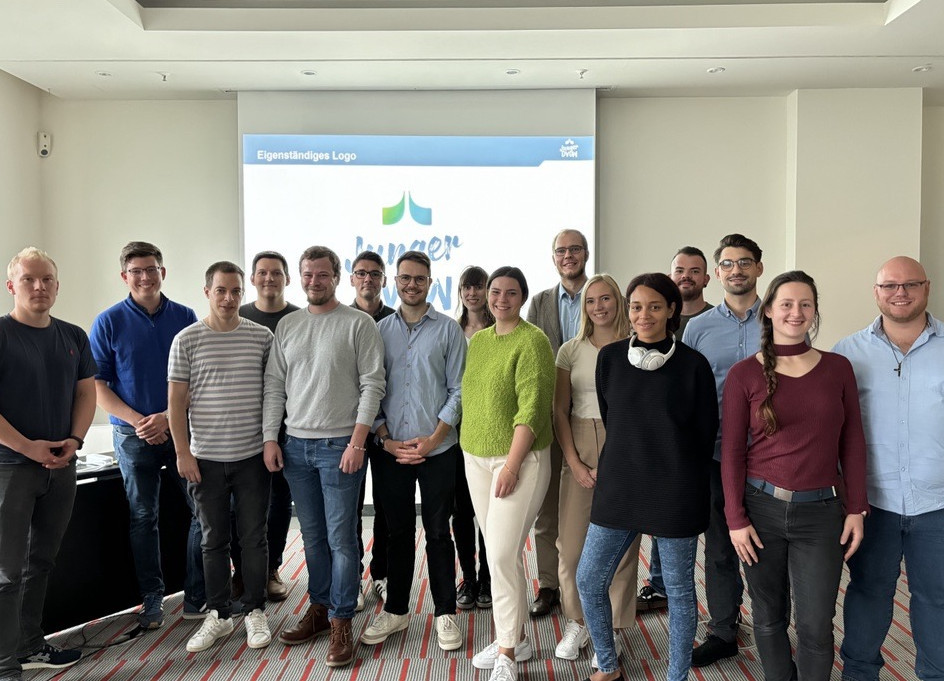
{"points": [[899, 366]]}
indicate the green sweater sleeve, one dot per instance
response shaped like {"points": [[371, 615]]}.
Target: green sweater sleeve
{"points": [[534, 387]]}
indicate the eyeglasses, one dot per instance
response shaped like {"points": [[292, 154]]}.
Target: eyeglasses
{"points": [[373, 274], [727, 264], [572, 250], [138, 272], [908, 286], [405, 279]]}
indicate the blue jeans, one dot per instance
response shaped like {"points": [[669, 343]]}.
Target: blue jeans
{"points": [[602, 552], [874, 571], [35, 507], [655, 568], [140, 465], [326, 506]]}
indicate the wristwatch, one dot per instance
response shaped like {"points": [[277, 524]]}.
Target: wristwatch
{"points": [[379, 440]]}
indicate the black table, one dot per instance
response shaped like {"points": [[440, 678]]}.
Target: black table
{"points": [[94, 574]]}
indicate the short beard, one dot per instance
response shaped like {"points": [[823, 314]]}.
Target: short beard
{"points": [[317, 299], [690, 295]]}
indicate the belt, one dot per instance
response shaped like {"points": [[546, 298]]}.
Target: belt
{"points": [[794, 497]]}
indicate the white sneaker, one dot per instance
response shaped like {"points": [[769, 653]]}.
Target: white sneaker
{"points": [[380, 588], [505, 669], [213, 628], [257, 629], [575, 637], [447, 628], [383, 625], [619, 651], [360, 602], [485, 659]]}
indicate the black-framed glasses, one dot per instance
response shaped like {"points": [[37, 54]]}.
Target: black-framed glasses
{"points": [[376, 275], [908, 286], [572, 250], [405, 279], [727, 264], [139, 272]]}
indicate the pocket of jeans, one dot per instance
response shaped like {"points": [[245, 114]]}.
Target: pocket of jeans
{"points": [[336, 445]]}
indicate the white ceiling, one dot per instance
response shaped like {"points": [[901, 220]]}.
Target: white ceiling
{"points": [[211, 48]]}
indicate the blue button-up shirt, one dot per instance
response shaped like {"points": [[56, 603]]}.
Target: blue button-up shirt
{"points": [[424, 368], [903, 416], [724, 339], [569, 313]]}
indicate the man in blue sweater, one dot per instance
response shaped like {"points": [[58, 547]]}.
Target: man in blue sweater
{"points": [[130, 343]]}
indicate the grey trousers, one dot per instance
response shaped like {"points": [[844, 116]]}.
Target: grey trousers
{"points": [[35, 508]]}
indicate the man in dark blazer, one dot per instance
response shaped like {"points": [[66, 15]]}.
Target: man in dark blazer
{"points": [[557, 312]]}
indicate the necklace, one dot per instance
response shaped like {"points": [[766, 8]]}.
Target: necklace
{"points": [[790, 350]]}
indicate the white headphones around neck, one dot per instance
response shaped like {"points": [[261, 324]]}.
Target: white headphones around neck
{"points": [[648, 359]]}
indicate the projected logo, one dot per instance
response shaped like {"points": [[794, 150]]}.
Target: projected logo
{"points": [[420, 215], [570, 149]]}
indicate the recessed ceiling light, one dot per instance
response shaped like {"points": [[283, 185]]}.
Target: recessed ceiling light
{"points": [[103, 74], [512, 72], [309, 72], [716, 69], [922, 69]]}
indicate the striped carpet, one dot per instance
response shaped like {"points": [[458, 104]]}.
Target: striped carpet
{"points": [[412, 655]]}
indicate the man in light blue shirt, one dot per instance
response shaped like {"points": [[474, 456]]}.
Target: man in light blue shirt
{"points": [[899, 367], [424, 356], [725, 335]]}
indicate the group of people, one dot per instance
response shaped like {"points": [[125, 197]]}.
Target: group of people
{"points": [[601, 417]]}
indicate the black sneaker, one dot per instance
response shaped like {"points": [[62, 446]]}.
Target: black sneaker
{"points": [[484, 599], [650, 599], [713, 649], [466, 594], [50, 657]]}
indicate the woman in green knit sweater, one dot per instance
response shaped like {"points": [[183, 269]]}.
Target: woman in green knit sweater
{"points": [[507, 392]]}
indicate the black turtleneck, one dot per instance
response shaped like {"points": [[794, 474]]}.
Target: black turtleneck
{"points": [[660, 434]]}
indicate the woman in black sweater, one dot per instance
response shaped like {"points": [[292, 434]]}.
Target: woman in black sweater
{"points": [[657, 401]]}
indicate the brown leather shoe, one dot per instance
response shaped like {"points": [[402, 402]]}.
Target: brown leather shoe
{"points": [[312, 623], [275, 587], [341, 647], [547, 598]]}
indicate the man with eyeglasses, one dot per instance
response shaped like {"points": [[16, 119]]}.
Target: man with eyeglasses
{"points": [[725, 334], [556, 311], [270, 277], [368, 277], [899, 365], [131, 344], [424, 358], [326, 375]]}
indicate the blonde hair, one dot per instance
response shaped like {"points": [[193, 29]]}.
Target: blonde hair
{"points": [[622, 318], [30, 253]]}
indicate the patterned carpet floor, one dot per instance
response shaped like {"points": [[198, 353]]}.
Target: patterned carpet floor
{"points": [[412, 655]]}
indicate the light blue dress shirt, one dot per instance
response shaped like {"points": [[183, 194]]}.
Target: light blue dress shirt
{"points": [[903, 416], [569, 313], [424, 376], [724, 339]]}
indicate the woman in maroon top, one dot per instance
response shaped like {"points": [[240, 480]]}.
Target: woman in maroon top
{"points": [[793, 467]]}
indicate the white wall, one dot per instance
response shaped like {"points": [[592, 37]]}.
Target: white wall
{"points": [[20, 165], [932, 205], [685, 172], [672, 172], [157, 171]]}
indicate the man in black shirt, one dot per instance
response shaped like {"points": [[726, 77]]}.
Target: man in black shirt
{"points": [[270, 277], [47, 401]]}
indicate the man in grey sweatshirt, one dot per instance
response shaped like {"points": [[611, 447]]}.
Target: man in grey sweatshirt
{"points": [[326, 374]]}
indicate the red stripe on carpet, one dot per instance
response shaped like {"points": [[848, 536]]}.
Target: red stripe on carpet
{"points": [[746, 672], [160, 639], [121, 664], [644, 630]]}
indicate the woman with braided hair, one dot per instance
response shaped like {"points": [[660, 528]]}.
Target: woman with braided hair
{"points": [[793, 467]]}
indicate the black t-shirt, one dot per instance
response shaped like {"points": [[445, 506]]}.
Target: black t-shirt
{"points": [[270, 320], [39, 369]]}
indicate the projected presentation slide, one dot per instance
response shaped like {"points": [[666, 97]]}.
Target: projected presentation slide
{"points": [[486, 201]]}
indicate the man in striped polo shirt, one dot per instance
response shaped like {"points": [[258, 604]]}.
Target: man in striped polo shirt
{"points": [[216, 369]]}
